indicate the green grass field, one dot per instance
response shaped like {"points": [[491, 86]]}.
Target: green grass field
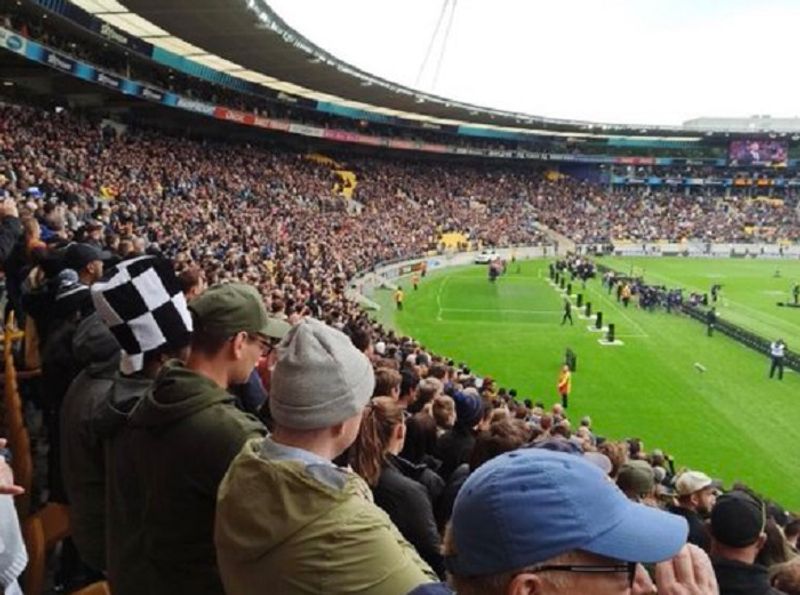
{"points": [[730, 421]]}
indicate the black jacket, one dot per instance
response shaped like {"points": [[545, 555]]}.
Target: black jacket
{"points": [[444, 506], [404, 492], [698, 534], [738, 578], [453, 448], [82, 458], [10, 232]]}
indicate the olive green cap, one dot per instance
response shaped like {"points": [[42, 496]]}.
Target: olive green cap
{"points": [[230, 308]]}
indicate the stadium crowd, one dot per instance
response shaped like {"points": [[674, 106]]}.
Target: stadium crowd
{"points": [[590, 214], [220, 417]]}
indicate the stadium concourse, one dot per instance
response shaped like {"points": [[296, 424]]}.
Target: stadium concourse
{"points": [[93, 225]]}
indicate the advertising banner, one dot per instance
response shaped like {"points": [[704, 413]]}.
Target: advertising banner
{"points": [[198, 107], [307, 130], [12, 42]]}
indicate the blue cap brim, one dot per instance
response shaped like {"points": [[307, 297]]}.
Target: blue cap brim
{"points": [[644, 534]]}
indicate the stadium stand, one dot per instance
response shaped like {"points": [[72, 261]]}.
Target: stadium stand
{"points": [[94, 208]]}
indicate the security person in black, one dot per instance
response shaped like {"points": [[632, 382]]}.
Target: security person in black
{"points": [[711, 320], [567, 313]]}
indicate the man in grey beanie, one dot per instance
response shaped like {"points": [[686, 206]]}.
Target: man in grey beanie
{"points": [[288, 517]]}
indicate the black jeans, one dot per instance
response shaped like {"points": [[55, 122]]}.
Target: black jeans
{"points": [[777, 364]]}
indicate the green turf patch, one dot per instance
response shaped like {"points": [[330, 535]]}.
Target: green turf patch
{"points": [[723, 416]]}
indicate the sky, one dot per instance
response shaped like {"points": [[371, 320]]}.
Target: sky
{"points": [[614, 61]]}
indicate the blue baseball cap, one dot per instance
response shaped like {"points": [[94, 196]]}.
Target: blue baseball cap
{"points": [[528, 506]]}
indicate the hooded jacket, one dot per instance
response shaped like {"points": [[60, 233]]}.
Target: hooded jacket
{"points": [[124, 492], [82, 458], [288, 526], [183, 435]]}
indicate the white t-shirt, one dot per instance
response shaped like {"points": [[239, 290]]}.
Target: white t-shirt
{"points": [[777, 349]]}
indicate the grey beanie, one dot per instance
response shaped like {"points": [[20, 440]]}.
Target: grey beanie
{"points": [[320, 378]]}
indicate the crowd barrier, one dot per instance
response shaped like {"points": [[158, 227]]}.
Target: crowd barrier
{"points": [[737, 333]]}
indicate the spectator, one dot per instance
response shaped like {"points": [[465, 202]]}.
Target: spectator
{"points": [[408, 388], [636, 479], [399, 486], [101, 414], [287, 516], [737, 535], [427, 390], [387, 383], [786, 577], [82, 459], [10, 227], [444, 412], [420, 443], [86, 260], [500, 437], [193, 282], [696, 494], [776, 549], [187, 431], [792, 533], [455, 446], [583, 536], [617, 452]]}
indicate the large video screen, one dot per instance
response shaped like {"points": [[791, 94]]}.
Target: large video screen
{"points": [[759, 152]]}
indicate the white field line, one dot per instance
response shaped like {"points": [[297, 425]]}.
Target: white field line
{"points": [[439, 298], [619, 309], [642, 333], [501, 311]]}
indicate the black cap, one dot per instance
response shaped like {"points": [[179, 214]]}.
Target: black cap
{"points": [[79, 255], [738, 519]]}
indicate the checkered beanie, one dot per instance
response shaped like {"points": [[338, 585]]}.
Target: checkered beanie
{"points": [[142, 303]]}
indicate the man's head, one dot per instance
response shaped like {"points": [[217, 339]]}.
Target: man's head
{"points": [[637, 480], [408, 387], [427, 390], [387, 383], [321, 384], [696, 491], [232, 331], [469, 410], [141, 302], [444, 411], [523, 517], [737, 526], [193, 282], [86, 260]]}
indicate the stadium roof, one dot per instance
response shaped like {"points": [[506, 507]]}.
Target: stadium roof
{"points": [[247, 39]]}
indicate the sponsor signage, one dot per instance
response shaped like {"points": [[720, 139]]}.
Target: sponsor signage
{"points": [[58, 61], [195, 106], [109, 80], [151, 94], [11, 41]]}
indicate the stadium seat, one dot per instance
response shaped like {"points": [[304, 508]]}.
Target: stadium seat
{"points": [[42, 532]]}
